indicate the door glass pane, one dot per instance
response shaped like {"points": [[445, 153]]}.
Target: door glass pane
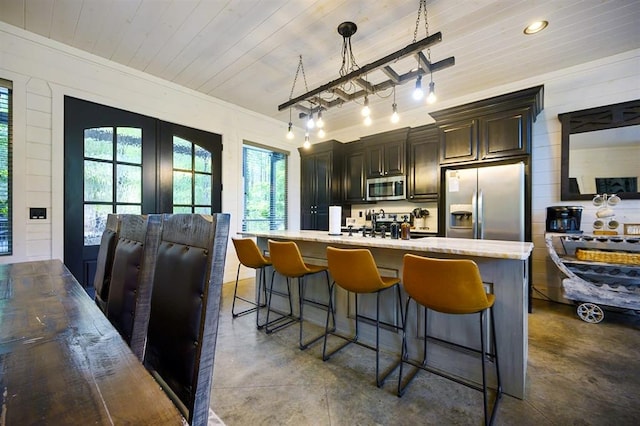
{"points": [[95, 219], [98, 143], [182, 188], [128, 209], [203, 189], [129, 143], [202, 160], [129, 184], [182, 152], [98, 181], [192, 177]]}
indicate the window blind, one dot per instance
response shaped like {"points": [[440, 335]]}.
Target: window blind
{"points": [[265, 189]]}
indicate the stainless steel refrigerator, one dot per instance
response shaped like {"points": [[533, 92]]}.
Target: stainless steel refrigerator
{"points": [[486, 202]]}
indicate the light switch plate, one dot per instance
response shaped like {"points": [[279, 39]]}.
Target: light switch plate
{"points": [[37, 212]]}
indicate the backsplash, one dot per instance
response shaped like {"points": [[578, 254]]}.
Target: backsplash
{"points": [[429, 223]]}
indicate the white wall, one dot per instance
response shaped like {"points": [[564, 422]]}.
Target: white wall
{"points": [[43, 72]]}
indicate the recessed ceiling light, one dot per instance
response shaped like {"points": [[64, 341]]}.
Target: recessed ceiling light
{"points": [[536, 27]]}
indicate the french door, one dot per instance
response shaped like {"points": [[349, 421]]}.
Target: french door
{"points": [[120, 162]]}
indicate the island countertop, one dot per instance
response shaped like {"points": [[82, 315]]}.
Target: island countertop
{"points": [[458, 246]]}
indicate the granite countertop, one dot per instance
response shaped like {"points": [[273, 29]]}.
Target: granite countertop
{"points": [[460, 246]]}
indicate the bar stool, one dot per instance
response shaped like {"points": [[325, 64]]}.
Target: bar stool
{"points": [[250, 256], [355, 270], [287, 261], [450, 286]]}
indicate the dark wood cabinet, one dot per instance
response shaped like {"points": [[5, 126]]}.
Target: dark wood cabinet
{"points": [[385, 153], [459, 142], [355, 173], [491, 129], [505, 134], [423, 170], [319, 184]]}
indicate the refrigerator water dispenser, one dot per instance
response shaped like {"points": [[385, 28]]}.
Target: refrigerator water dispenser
{"points": [[461, 216]]}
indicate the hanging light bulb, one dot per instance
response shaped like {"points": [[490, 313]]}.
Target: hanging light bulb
{"points": [[310, 123], [365, 109], [367, 120], [417, 92], [320, 121], [321, 133], [290, 131], [395, 117], [306, 144], [432, 93]]}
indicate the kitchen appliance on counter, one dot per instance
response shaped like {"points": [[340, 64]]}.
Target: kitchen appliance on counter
{"points": [[386, 188], [564, 219], [485, 202], [420, 218]]}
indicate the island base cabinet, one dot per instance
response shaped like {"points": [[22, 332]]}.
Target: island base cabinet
{"points": [[506, 278]]}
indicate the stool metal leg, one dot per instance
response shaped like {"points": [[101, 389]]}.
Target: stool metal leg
{"points": [[256, 305], [405, 353], [287, 318], [304, 345]]}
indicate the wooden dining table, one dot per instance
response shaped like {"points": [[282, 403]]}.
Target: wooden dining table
{"points": [[61, 360]]}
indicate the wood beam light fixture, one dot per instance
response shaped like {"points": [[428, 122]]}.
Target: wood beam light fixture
{"points": [[353, 83]]}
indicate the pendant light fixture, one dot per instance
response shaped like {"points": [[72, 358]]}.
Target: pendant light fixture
{"points": [[352, 83], [395, 117]]}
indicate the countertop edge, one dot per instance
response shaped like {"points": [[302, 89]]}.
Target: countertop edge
{"points": [[460, 246]]}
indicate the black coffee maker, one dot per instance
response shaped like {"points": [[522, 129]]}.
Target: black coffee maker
{"points": [[564, 219]]}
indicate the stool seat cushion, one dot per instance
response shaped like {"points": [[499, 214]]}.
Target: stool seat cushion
{"points": [[355, 270], [451, 286]]}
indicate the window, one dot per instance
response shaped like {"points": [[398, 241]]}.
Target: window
{"points": [[265, 189], [5, 167]]}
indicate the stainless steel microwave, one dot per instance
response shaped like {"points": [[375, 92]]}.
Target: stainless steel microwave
{"points": [[386, 188]]}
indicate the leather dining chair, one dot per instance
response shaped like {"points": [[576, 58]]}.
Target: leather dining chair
{"points": [[185, 306], [361, 279], [104, 262], [131, 278], [454, 287]]}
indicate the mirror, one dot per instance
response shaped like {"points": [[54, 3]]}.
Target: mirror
{"points": [[601, 152]]}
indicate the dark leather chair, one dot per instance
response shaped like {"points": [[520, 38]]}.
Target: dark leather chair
{"points": [[131, 278], [185, 304], [102, 277]]}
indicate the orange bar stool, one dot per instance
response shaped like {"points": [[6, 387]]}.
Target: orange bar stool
{"points": [[287, 261], [355, 270], [250, 256], [450, 286]]}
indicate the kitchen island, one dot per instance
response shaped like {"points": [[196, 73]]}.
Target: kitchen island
{"points": [[503, 266]]}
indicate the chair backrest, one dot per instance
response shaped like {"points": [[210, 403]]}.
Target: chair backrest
{"points": [[131, 278], [286, 258], [445, 285], [249, 253], [354, 270], [185, 304], [104, 262]]}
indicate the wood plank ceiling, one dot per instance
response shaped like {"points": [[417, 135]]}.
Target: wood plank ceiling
{"points": [[246, 51]]}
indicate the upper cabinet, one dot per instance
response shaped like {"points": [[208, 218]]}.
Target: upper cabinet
{"points": [[423, 171], [490, 129], [355, 173], [385, 153]]}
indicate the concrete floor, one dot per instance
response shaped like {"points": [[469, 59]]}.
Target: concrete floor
{"points": [[578, 374]]}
